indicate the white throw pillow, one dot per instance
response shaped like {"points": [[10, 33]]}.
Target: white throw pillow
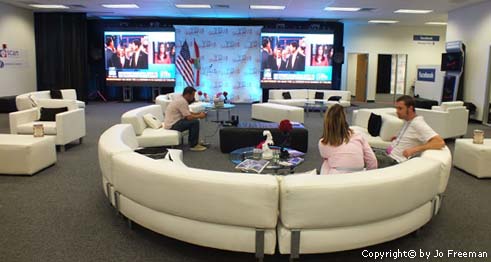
{"points": [[152, 121]]}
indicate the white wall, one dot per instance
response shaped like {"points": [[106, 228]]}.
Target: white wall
{"points": [[391, 39], [472, 25], [17, 31]]}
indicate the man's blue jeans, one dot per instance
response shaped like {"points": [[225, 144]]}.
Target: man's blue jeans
{"points": [[192, 126]]}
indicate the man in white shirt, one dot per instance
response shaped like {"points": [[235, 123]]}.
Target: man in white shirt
{"points": [[178, 117], [414, 137]]}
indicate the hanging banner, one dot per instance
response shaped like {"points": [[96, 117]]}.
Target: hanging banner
{"points": [[223, 58]]}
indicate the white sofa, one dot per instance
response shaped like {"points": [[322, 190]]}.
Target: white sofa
{"points": [[300, 96], [449, 120], [209, 208], [146, 136], [349, 211], [231, 211], [68, 126], [164, 101], [391, 125], [276, 112], [29, 100]]}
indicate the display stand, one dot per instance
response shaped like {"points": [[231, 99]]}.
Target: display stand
{"points": [[155, 92], [453, 64], [127, 94]]}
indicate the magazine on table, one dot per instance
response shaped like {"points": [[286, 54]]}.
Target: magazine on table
{"points": [[252, 165]]}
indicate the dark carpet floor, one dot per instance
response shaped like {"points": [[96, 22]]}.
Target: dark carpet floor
{"points": [[61, 214]]}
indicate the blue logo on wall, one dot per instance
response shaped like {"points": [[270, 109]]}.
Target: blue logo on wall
{"points": [[426, 74]]}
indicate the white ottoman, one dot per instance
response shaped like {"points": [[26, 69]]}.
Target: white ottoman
{"points": [[277, 112], [25, 154], [473, 158]]}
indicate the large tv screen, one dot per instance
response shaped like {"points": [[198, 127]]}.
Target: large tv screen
{"points": [[138, 57], [451, 61], [296, 58]]}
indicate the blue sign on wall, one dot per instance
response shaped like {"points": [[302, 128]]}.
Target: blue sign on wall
{"points": [[426, 74], [430, 38]]}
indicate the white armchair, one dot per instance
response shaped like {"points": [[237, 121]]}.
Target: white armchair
{"points": [[449, 120], [68, 126]]}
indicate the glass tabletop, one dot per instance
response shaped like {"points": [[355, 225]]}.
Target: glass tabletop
{"points": [[225, 106], [295, 158]]}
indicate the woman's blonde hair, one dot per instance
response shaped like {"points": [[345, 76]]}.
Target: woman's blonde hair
{"points": [[336, 129]]}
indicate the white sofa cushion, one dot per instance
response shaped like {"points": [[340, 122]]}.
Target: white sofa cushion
{"points": [[27, 128], [357, 198], [152, 121], [390, 126], [158, 137]]}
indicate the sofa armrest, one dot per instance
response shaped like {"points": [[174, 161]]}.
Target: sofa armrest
{"points": [[22, 117], [70, 126]]}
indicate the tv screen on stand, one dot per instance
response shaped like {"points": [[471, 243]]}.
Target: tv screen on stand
{"points": [[451, 62], [296, 58], [139, 58]]}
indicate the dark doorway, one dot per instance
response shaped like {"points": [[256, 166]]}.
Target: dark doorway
{"points": [[384, 69]]}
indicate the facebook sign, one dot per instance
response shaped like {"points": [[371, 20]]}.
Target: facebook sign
{"points": [[426, 74]]}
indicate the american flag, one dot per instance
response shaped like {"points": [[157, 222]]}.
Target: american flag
{"points": [[184, 64]]}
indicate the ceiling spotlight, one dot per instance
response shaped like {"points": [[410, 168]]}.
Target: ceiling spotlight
{"points": [[49, 6], [413, 11], [120, 6], [196, 6], [436, 23], [268, 7], [383, 21], [342, 9]]}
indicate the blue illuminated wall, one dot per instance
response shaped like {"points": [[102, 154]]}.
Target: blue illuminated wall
{"points": [[229, 57]]}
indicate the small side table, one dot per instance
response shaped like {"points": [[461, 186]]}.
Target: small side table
{"points": [[473, 158]]}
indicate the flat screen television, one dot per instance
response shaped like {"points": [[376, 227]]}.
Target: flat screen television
{"points": [[296, 58], [133, 58], [451, 62]]}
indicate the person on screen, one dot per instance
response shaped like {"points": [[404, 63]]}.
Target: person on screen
{"points": [[139, 59], [109, 51], [266, 54], [162, 56], [277, 63], [319, 59], [119, 59], [144, 47], [178, 117], [297, 60], [343, 150], [285, 56], [173, 54]]}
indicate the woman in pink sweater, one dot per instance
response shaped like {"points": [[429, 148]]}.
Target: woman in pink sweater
{"points": [[343, 150]]}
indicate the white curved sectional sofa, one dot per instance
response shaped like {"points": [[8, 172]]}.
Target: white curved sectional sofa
{"points": [[251, 213], [300, 96], [24, 101]]}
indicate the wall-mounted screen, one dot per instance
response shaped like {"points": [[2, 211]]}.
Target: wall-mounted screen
{"points": [[451, 61], [296, 58], [137, 57]]}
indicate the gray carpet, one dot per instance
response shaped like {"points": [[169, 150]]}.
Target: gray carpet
{"points": [[61, 214]]}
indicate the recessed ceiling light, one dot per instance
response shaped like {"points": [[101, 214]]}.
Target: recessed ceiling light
{"points": [[121, 6], [268, 7], [49, 6], [342, 9], [436, 23], [192, 6], [383, 21], [413, 11]]}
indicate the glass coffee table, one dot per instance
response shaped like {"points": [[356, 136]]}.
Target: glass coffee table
{"points": [[280, 167], [315, 105], [226, 107]]}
